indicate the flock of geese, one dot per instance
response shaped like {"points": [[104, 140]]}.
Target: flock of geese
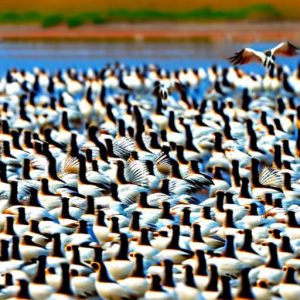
{"points": [[144, 183]]}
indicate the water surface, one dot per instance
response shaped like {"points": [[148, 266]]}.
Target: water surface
{"points": [[170, 55]]}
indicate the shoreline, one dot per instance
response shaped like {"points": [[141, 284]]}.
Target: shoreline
{"points": [[243, 32]]}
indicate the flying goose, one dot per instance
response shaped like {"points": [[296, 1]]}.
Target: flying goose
{"points": [[266, 58]]}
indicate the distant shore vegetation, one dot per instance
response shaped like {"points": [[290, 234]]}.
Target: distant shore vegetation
{"points": [[257, 12]]}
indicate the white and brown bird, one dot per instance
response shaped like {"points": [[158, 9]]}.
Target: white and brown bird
{"points": [[267, 57]]}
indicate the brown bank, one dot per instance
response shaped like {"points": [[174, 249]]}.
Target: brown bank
{"points": [[210, 32]]}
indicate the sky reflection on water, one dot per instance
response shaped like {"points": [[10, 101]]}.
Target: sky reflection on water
{"points": [[170, 55]]}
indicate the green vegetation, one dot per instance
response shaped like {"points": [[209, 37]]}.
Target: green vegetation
{"points": [[256, 12], [51, 20]]}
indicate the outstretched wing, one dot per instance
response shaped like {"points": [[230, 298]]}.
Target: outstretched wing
{"points": [[285, 49], [247, 55]]}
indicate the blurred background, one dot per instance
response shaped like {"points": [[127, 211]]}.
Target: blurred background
{"points": [[92, 32]]}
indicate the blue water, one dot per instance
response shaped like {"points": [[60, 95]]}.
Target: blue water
{"points": [[170, 55]]}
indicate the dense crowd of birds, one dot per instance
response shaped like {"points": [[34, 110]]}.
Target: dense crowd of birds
{"points": [[143, 183]]}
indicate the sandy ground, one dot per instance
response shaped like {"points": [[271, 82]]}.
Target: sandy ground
{"points": [[210, 32]]}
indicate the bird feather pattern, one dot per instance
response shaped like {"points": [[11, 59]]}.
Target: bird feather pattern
{"points": [[123, 146], [270, 177], [163, 163], [137, 172], [70, 165]]}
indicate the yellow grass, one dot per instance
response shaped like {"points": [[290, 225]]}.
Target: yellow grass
{"points": [[288, 8]]}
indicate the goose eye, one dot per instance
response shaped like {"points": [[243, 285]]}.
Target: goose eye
{"points": [[95, 266], [68, 248]]}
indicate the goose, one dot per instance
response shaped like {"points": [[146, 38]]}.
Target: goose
{"points": [[165, 272], [197, 242], [56, 256], [144, 246], [219, 183], [35, 233], [253, 218], [289, 286], [76, 263], [228, 263], [266, 58], [100, 228], [8, 231], [208, 225], [38, 288], [128, 189], [261, 290], [65, 218], [290, 192], [246, 254], [156, 291], [21, 224], [166, 86], [48, 199], [198, 179], [271, 271], [211, 290], [161, 239], [108, 288], [229, 227], [191, 152], [8, 289], [14, 261], [89, 214], [292, 225], [226, 289], [82, 235], [121, 266], [173, 133], [245, 290], [253, 149], [29, 249], [221, 208], [84, 286], [27, 181], [173, 250], [23, 292], [149, 213], [53, 180], [5, 130], [86, 105], [188, 289], [65, 290], [137, 280], [23, 121], [286, 251], [200, 268], [85, 186], [18, 151], [7, 158], [167, 218]]}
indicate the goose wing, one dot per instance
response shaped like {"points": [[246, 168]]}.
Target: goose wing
{"points": [[285, 49], [270, 177], [247, 55]]}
